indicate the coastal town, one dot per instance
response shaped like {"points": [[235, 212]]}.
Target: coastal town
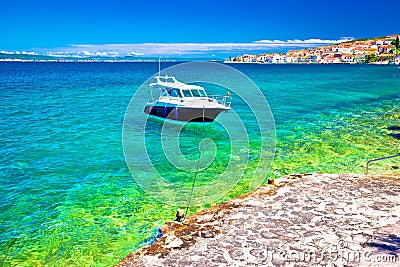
{"points": [[382, 51]]}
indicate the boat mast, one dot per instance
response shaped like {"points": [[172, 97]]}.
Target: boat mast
{"points": [[159, 70], [159, 65]]}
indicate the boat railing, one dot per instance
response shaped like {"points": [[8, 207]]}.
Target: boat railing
{"points": [[222, 99], [378, 159]]}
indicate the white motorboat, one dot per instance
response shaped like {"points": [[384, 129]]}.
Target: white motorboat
{"points": [[382, 62], [185, 102]]}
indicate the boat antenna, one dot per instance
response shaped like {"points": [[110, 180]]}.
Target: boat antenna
{"points": [[159, 65]]}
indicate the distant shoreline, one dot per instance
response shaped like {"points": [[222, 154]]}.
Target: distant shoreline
{"points": [[379, 51], [391, 63], [82, 61]]}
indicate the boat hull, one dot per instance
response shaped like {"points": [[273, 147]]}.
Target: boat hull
{"points": [[192, 114]]}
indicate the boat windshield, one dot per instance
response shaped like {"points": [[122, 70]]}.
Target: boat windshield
{"points": [[195, 92], [174, 92], [203, 93], [164, 92], [167, 79], [187, 93]]}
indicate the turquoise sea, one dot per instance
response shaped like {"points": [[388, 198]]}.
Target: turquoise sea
{"points": [[66, 195]]}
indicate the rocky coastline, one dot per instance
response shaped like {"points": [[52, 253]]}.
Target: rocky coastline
{"points": [[300, 220]]}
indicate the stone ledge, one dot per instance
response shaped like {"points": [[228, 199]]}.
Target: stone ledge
{"points": [[300, 214]]}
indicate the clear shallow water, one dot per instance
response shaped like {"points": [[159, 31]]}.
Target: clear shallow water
{"points": [[67, 197]]}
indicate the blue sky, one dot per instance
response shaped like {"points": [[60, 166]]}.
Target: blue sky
{"points": [[94, 25]]}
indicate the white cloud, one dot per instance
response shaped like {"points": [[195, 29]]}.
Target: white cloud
{"points": [[28, 53], [178, 49], [134, 54], [101, 54], [7, 52], [307, 41], [153, 49]]}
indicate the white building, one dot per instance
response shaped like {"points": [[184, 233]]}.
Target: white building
{"points": [[262, 58], [278, 58], [291, 59]]}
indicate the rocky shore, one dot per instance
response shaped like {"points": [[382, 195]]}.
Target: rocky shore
{"points": [[301, 220]]}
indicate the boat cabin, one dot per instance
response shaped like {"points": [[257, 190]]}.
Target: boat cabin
{"points": [[170, 87]]}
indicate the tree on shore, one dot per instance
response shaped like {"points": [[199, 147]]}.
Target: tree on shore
{"points": [[371, 58], [396, 43]]}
